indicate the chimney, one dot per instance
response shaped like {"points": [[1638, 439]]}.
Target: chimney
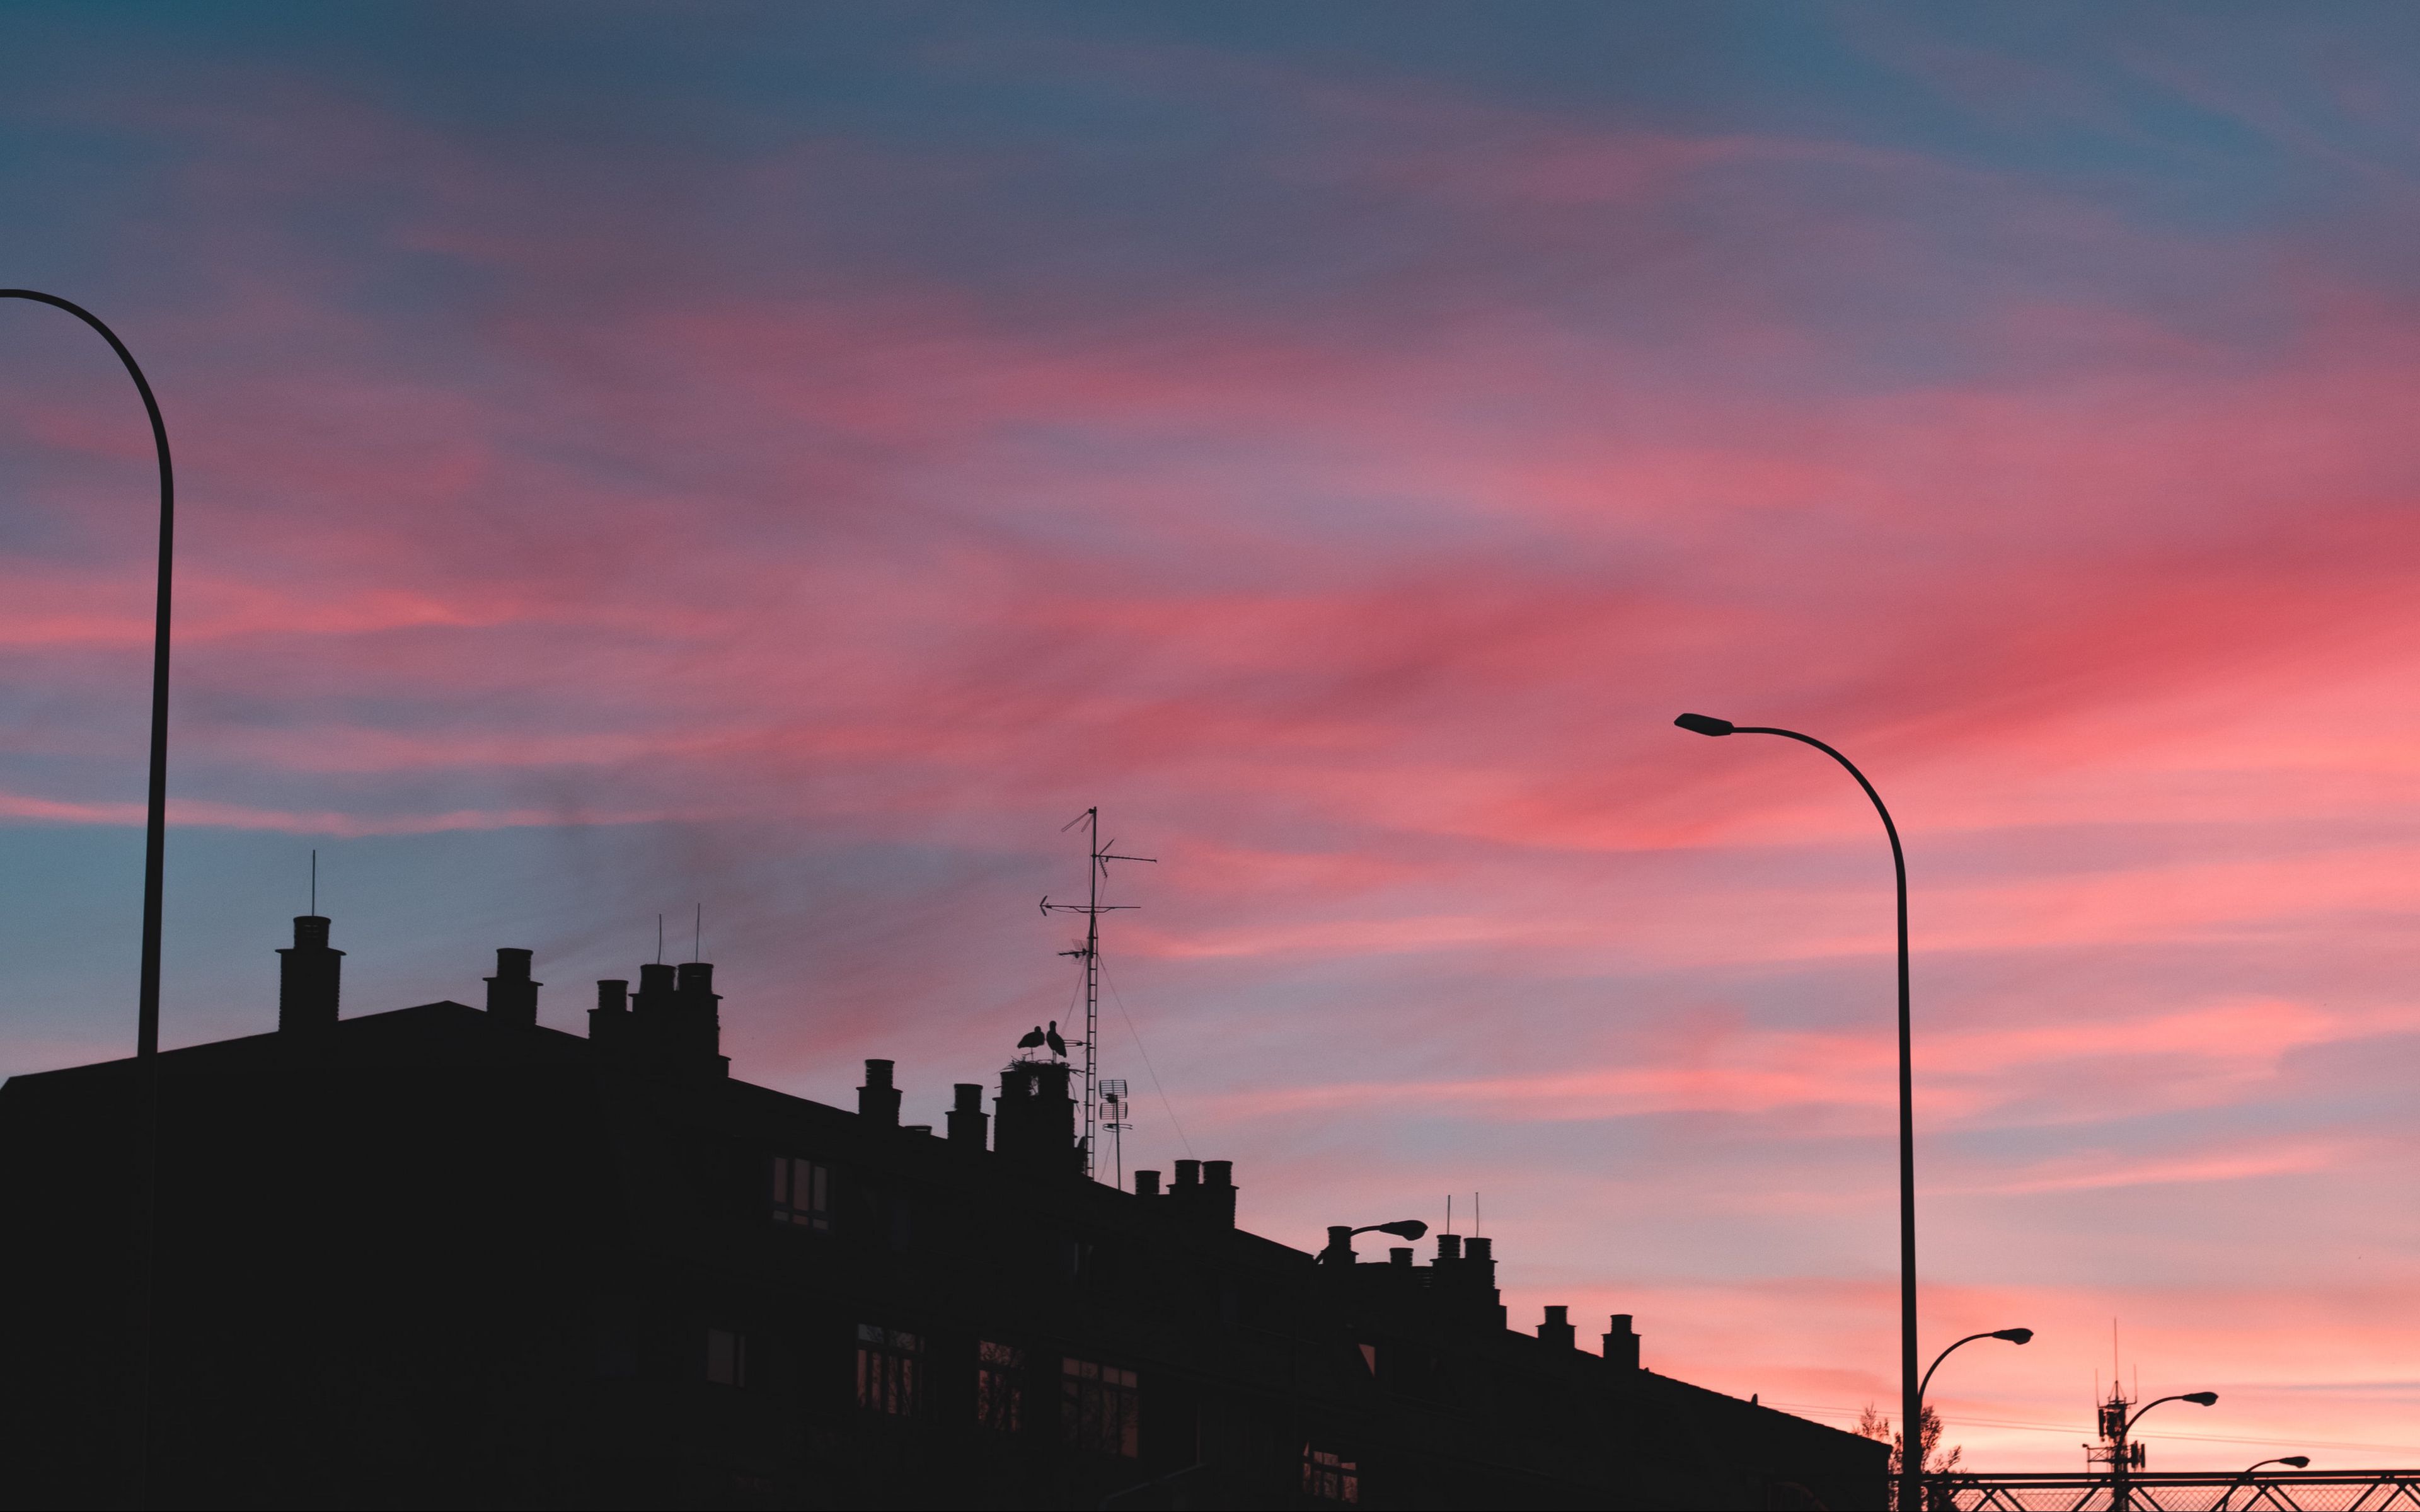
{"points": [[1036, 1122], [967, 1119], [1479, 1274], [676, 1028], [307, 973], [877, 1100], [1147, 1183], [1218, 1190], [512, 998], [1401, 1256], [610, 1020], [652, 1014], [1188, 1173], [1557, 1330], [1448, 1247], [698, 1010], [1622, 1345]]}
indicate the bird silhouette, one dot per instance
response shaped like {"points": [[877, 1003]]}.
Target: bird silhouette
{"points": [[1058, 1046], [1033, 1039]]}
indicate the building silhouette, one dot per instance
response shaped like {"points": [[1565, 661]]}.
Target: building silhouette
{"points": [[447, 1257]]}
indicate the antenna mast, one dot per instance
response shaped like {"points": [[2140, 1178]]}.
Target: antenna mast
{"points": [[1089, 952]]}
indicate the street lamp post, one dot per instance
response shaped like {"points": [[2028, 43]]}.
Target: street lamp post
{"points": [[1911, 1388], [1915, 1435], [2298, 1461], [146, 1009], [1339, 1238], [2121, 1490]]}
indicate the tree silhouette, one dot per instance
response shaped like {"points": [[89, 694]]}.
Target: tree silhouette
{"points": [[1873, 1425]]}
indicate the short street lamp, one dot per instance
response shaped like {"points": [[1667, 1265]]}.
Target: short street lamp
{"points": [[1339, 1238], [2122, 1492], [1915, 1434], [2298, 1461], [1911, 1389]]}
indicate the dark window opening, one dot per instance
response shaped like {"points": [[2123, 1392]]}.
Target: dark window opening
{"points": [[1000, 1386], [1102, 1409], [1327, 1476], [890, 1370], [802, 1193]]}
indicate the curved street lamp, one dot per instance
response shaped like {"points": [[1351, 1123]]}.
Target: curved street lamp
{"points": [[1339, 1238], [1916, 1436], [147, 1013], [146, 1008], [1910, 1387], [2298, 1461], [2121, 1492]]}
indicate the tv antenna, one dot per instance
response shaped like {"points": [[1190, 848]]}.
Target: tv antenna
{"points": [[1113, 1117], [1089, 952]]}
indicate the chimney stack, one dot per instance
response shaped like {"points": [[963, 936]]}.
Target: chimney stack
{"points": [[1448, 1247], [1038, 1117], [1147, 1183], [1622, 1345], [610, 1020], [877, 1100], [968, 1119], [701, 1017], [675, 1025], [512, 996], [1557, 1330], [1218, 1190], [1188, 1173], [307, 978]]}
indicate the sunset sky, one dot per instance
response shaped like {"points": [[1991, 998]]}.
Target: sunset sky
{"points": [[788, 461]]}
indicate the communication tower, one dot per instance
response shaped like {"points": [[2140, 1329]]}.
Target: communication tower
{"points": [[1096, 873]]}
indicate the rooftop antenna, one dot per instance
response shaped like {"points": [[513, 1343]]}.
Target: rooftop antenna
{"points": [[697, 944], [1449, 1212], [1089, 952], [315, 884], [660, 940], [1114, 1114]]}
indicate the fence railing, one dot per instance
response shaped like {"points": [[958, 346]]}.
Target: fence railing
{"points": [[2280, 1491]]}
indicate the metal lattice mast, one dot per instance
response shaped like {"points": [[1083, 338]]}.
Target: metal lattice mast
{"points": [[1096, 871]]}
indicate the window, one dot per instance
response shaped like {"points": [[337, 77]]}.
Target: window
{"points": [[1328, 1477], [1102, 1410], [726, 1357], [1000, 1386], [802, 1193], [889, 1367]]}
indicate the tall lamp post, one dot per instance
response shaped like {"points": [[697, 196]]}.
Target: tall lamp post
{"points": [[2298, 1461], [146, 1008], [2121, 1490], [1911, 1388]]}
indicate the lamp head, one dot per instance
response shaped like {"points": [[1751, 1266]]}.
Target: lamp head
{"points": [[1705, 724], [2016, 1335], [1408, 1228], [2298, 1461], [2201, 1398]]}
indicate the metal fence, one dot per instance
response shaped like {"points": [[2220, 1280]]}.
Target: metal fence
{"points": [[2296, 1490]]}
